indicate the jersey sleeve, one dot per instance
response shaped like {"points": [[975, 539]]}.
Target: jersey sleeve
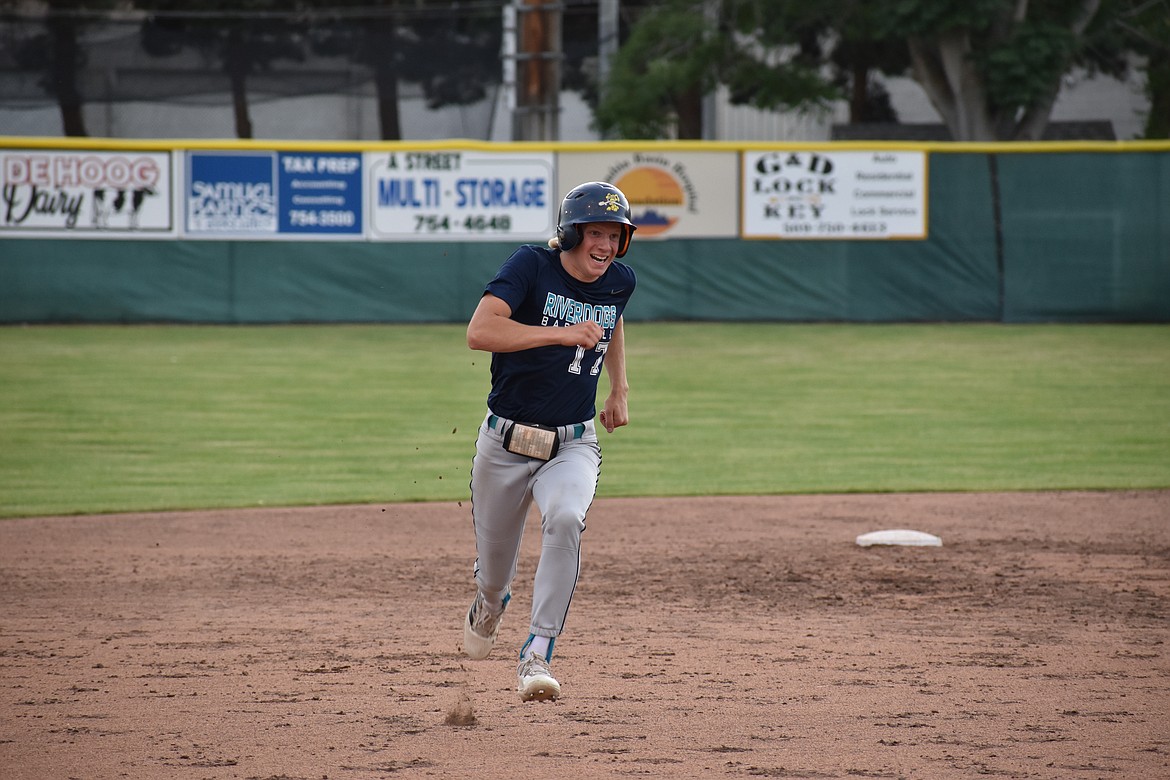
{"points": [[515, 278]]}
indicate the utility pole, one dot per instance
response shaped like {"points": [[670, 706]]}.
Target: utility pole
{"points": [[607, 38], [538, 54], [607, 41]]}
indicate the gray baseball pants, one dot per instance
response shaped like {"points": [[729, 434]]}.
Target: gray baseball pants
{"points": [[503, 487]]}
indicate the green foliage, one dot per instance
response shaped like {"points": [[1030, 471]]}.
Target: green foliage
{"points": [[669, 54], [1158, 88], [396, 40], [1020, 69], [246, 39], [996, 63], [1141, 27], [400, 40], [923, 18], [678, 51], [99, 419]]}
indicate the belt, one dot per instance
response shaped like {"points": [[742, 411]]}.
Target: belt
{"points": [[565, 432]]}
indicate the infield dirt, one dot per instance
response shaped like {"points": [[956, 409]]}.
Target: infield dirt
{"points": [[709, 638]]}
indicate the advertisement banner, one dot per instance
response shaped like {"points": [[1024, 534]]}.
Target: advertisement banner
{"points": [[320, 193], [826, 194], [461, 196], [85, 194], [671, 194], [270, 194], [230, 194]]}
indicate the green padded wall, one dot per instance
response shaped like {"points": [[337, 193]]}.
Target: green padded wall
{"points": [[1080, 236], [1086, 237]]}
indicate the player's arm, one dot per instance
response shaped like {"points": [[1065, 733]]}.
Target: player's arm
{"points": [[616, 411], [492, 329]]}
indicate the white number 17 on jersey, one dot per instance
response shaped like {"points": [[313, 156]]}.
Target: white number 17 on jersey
{"points": [[575, 366]]}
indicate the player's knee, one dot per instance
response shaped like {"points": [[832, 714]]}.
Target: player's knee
{"points": [[563, 522]]}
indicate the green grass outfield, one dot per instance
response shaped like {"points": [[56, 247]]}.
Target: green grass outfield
{"points": [[111, 418]]}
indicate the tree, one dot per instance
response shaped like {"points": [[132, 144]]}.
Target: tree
{"points": [[678, 51], [244, 36], [858, 51], [1143, 27], [452, 52], [991, 68], [57, 55]]}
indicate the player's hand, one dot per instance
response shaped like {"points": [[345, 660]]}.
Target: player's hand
{"points": [[615, 414], [582, 334]]}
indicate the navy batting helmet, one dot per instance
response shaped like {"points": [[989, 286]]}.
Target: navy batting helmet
{"points": [[594, 201]]}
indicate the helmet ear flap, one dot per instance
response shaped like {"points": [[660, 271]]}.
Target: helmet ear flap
{"points": [[624, 241], [568, 236]]}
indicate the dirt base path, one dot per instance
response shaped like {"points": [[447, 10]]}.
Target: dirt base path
{"points": [[709, 638]]}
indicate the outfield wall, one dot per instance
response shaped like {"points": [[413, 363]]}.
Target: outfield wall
{"points": [[1007, 232]]}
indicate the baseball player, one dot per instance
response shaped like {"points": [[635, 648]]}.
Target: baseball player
{"points": [[551, 318]]}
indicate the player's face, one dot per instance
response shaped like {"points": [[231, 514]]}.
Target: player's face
{"points": [[599, 245]]}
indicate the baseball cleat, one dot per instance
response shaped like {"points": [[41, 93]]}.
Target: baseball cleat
{"points": [[480, 628], [536, 682]]}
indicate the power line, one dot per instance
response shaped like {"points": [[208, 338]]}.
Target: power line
{"points": [[455, 7]]}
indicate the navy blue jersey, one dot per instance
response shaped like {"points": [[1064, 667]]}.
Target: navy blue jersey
{"points": [[553, 385]]}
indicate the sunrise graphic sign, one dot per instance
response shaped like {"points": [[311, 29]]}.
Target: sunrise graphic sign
{"points": [[681, 194]]}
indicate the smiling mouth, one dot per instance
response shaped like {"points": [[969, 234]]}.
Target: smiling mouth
{"points": [[599, 260]]}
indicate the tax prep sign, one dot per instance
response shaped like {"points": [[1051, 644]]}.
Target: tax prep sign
{"points": [[461, 195]]}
